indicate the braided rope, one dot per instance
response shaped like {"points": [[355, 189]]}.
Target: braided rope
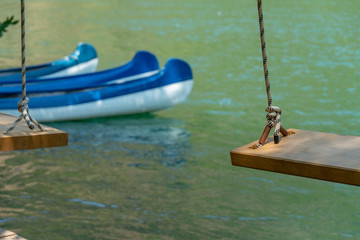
{"points": [[23, 70], [23, 103], [263, 49], [274, 113]]}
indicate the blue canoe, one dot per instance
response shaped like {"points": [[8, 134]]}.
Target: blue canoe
{"points": [[143, 64], [168, 87], [83, 60]]}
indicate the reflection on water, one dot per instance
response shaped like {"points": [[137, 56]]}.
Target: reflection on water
{"points": [[167, 175], [147, 138], [123, 165]]}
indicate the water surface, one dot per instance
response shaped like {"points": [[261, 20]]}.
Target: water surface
{"points": [[168, 175]]}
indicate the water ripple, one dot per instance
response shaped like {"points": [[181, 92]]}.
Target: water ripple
{"points": [[87, 202]]}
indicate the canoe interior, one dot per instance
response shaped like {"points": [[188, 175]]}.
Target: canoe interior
{"points": [[22, 138], [324, 156]]}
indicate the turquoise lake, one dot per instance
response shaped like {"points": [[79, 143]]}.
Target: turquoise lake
{"points": [[168, 174]]}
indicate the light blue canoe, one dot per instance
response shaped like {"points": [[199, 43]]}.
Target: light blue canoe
{"points": [[143, 64], [83, 60]]}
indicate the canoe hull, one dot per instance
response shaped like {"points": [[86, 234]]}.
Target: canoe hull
{"points": [[139, 102], [82, 60], [143, 64], [82, 68]]}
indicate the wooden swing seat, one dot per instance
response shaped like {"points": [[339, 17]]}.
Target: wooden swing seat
{"points": [[22, 138], [8, 235], [325, 156]]}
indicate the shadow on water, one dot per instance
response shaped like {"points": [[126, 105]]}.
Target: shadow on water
{"points": [[145, 137]]}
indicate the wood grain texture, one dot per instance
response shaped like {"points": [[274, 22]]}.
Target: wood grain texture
{"points": [[22, 137], [325, 156]]}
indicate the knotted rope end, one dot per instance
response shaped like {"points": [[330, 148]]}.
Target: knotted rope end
{"points": [[255, 146], [24, 110], [274, 121], [290, 132]]}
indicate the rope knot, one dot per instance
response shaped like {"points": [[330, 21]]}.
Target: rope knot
{"points": [[24, 109], [23, 105], [274, 121]]}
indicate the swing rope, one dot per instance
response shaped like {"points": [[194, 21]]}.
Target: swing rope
{"points": [[274, 113], [23, 107], [263, 49]]}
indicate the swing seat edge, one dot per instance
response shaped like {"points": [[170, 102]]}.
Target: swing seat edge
{"points": [[311, 154], [22, 138]]}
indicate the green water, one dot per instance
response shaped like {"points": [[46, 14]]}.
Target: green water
{"points": [[168, 175]]}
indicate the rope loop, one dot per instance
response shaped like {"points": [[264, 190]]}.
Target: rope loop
{"points": [[274, 121], [23, 108], [23, 105]]}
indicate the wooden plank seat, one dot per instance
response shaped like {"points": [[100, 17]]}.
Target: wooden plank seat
{"points": [[325, 156], [22, 138], [8, 235]]}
